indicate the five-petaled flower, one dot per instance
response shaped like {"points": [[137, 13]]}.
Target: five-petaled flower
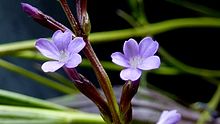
{"points": [[137, 57], [63, 50], [169, 117]]}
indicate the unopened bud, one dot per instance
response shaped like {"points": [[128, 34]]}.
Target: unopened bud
{"points": [[128, 91], [86, 25], [82, 15], [42, 18], [31, 11]]}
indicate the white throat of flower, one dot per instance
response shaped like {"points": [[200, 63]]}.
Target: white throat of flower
{"points": [[63, 56], [135, 61]]}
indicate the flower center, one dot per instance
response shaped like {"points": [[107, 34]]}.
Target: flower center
{"points": [[63, 56], [135, 61]]}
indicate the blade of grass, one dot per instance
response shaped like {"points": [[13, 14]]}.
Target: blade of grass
{"points": [[106, 36], [60, 78], [186, 68], [12, 98], [34, 113], [31, 121], [213, 103], [36, 77], [196, 7]]}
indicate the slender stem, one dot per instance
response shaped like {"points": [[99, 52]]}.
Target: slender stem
{"points": [[13, 98], [104, 82], [74, 24], [13, 47], [107, 36], [88, 89], [66, 117], [215, 99], [186, 68], [62, 79], [36, 77], [101, 75], [213, 103], [154, 28]]}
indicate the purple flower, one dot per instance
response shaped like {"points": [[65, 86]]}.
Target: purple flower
{"points": [[63, 50], [137, 57], [169, 117]]}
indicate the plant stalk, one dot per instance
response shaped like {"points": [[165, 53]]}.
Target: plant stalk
{"points": [[101, 75]]}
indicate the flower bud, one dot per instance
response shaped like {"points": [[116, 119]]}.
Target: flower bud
{"points": [[42, 18], [31, 11], [82, 15], [128, 91]]}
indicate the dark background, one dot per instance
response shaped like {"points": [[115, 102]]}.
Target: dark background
{"points": [[197, 47]]}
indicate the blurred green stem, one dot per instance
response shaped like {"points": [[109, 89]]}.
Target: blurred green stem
{"points": [[189, 69], [138, 12], [36, 77], [67, 117], [213, 104], [155, 28], [12, 98], [106, 36]]}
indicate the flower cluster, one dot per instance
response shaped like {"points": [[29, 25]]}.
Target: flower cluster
{"points": [[64, 48], [64, 51]]}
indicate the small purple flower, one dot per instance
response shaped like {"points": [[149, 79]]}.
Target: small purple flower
{"points": [[169, 117], [137, 57], [63, 50]]}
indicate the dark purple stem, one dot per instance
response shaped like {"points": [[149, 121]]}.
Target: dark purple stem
{"points": [[128, 91], [84, 85], [101, 75], [89, 90], [73, 22]]}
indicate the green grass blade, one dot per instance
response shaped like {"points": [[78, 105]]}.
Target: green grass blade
{"points": [[107, 36], [12, 98], [36, 77], [67, 117]]}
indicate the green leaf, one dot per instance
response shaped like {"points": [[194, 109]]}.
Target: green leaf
{"points": [[206, 11], [12, 98], [36, 77], [107, 36], [33, 115]]}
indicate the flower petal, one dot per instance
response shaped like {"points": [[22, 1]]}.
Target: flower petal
{"points": [[130, 48], [119, 59], [148, 47], [164, 114], [169, 117], [130, 74], [149, 63], [51, 66], [47, 48], [62, 39], [76, 45], [74, 60]]}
